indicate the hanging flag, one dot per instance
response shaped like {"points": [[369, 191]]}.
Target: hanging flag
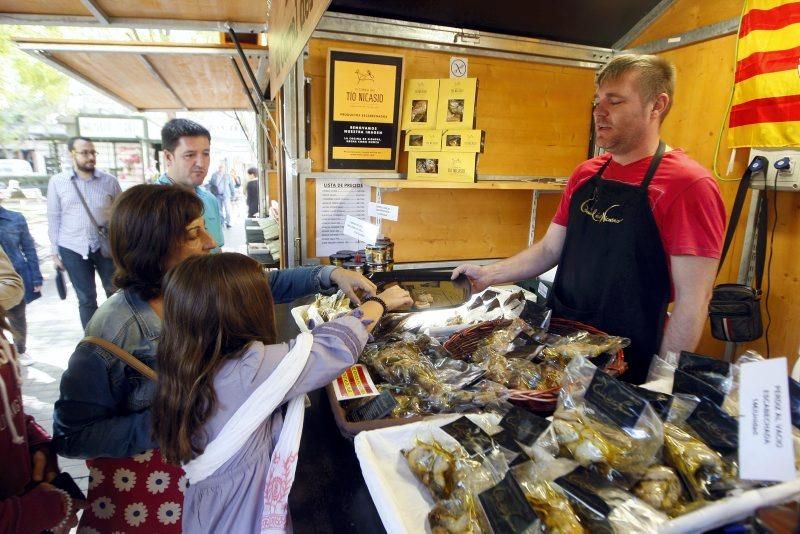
{"points": [[765, 111]]}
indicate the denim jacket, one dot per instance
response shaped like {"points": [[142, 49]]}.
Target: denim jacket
{"points": [[104, 406], [16, 240]]}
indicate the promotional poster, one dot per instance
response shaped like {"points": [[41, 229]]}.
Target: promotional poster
{"points": [[363, 105]]}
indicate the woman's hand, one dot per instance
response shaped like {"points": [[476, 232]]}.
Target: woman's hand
{"points": [[353, 284], [396, 297]]}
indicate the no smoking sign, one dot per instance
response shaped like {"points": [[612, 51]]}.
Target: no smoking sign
{"points": [[458, 67]]}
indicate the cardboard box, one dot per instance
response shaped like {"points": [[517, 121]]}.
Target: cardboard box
{"points": [[442, 166], [423, 140], [420, 104], [456, 109], [462, 141]]}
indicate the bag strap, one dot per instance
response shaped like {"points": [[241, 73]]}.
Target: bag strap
{"points": [[85, 205], [758, 164], [761, 237], [123, 355]]}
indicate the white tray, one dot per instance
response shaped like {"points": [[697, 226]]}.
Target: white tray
{"points": [[403, 502]]}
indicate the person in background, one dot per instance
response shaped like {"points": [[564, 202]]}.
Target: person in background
{"points": [[251, 190], [73, 236], [637, 227], [29, 504], [16, 240], [204, 382], [103, 410], [221, 184], [187, 153]]}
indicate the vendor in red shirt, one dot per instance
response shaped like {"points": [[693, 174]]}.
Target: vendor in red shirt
{"points": [[638, 227]]}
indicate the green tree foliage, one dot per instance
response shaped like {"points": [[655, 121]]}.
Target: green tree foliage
{"points": [[30, 91]]}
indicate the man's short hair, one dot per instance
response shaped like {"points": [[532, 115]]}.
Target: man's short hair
{"points": [[656, 75], [253, 171], [71, 141], [174, 129]]}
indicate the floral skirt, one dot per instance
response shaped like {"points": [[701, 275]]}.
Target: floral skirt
{"points": [[138, 494]]}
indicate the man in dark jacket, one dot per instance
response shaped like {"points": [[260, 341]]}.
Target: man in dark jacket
{"points": [[252, 192], [16, 240]]}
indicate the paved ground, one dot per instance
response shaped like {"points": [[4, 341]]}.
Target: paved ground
{"points": [[54, 327]]}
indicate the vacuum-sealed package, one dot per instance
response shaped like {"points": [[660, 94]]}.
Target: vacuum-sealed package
{"points": [[712, 371], [702, 469], [454, 480], [600, 419], [605, 507]]}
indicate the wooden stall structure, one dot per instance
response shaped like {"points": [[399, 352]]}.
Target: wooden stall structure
{"points": [[534, 103], [537, 121]]}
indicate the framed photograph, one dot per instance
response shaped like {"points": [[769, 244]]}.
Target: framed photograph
{"points": [[363, 95]]}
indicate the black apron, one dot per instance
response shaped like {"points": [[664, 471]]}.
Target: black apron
{"points": [[613, 270]]}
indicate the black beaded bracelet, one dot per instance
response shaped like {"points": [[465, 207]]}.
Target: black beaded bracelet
{"points": [[379, 301]]}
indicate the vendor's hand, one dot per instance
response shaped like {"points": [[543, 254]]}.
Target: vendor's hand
{"points": [[353, 283], [396, 297], [58, 263], [477, 275], [44, 465]]}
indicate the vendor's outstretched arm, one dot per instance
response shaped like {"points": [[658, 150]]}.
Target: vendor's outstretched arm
{"points": [[533, 261], [693, 279]]}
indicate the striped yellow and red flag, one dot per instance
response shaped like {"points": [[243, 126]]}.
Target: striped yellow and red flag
{"points": [[765, 111]]}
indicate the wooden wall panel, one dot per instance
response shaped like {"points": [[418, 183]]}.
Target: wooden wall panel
{"points": [[685, 15], [46, 7], [536, 119], [536, 116], [705, 75]]}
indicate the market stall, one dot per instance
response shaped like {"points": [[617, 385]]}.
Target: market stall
{"points": [[499, 354]]}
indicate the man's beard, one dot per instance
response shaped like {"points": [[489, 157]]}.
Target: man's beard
{"points": [[86, 167]]}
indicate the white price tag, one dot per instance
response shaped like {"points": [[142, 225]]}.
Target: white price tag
{"points": [[766, 449], [384, 211], [361, 230]]}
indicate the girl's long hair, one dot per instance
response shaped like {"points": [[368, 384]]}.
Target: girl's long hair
{"points": [[214, 307]]}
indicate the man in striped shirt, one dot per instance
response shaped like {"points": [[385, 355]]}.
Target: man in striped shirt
{"points": [[74, 238], [187, 151]]}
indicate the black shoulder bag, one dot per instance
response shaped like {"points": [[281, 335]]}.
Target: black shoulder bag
{"points": [[735, 309]]}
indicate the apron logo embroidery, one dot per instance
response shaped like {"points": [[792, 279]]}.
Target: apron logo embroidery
{"points": [[602, 217]]}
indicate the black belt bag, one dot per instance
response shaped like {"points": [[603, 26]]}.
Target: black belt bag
{"points": [[735, 309]]}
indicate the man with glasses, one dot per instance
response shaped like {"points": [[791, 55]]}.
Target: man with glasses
{"points": [[187, 154], [74, 198]]}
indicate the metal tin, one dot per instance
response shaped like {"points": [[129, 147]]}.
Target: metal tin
{"points": [[358, 267], [379, 267], [389, 248], [339, 258], [376, 254]]}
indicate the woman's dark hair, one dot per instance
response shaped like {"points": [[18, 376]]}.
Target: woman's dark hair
{"points": [[147, 223], [215, 306]]}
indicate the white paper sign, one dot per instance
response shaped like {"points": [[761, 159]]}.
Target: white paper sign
{"points": [[766, 449], [335, 200], [360, 230], [384, 211]]}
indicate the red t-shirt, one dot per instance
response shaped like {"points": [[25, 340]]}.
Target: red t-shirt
{"points": [[685, 199]]}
